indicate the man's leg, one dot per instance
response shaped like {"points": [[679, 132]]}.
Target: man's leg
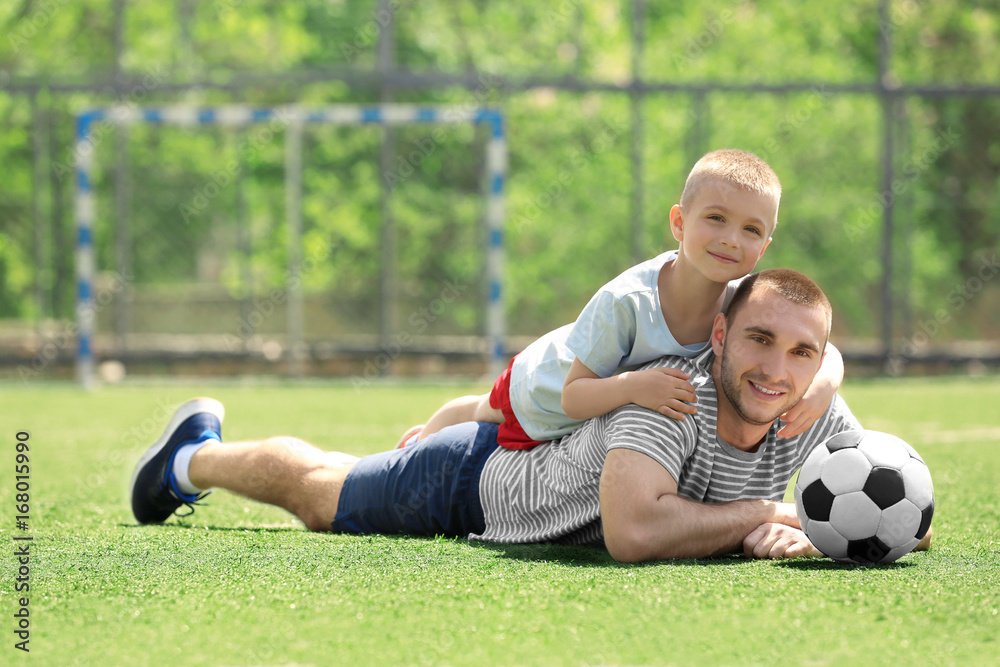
{"points": [[282, 471], [428, 490], [188, 460]]}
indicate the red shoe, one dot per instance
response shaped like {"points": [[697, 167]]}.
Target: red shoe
{"points": [[410, 433]]}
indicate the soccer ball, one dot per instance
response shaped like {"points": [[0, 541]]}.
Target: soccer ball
{"points": [[864, 497]]}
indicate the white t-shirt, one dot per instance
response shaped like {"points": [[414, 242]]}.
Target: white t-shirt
{"points": [[621, 328]]}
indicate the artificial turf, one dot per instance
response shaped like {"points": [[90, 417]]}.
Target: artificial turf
{"points": [[239, 583]]}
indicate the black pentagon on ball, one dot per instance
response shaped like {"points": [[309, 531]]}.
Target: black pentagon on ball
{"points": [[885, 487], [817, 501], [868, 551], [845, 440], [925, 521]]}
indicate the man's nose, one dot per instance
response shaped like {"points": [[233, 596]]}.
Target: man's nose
{"points": [[775, 367]]}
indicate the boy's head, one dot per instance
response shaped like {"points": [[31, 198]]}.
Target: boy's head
{"points": [[730, 167], [726, 215]]}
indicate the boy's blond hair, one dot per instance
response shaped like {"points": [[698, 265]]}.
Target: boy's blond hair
{"points": [[739, 168]]}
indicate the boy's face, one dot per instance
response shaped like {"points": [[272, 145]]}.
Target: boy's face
{"points": [[724, 229]]}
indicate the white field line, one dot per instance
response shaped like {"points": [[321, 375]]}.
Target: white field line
{"points": [[932, 436]]}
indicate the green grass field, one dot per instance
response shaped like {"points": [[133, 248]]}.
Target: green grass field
{"points": [[243, 584]]}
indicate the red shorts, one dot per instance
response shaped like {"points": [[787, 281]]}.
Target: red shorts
{"points": [[510, 434]]}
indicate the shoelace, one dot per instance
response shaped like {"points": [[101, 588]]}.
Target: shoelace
{"points": [[191, 503]]}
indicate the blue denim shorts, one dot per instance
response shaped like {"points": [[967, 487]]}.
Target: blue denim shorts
{"points": [[430, 488]]}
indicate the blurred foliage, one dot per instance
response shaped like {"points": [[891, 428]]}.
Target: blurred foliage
{"points": [[206, 205]]}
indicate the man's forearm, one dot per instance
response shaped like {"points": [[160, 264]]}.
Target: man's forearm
{"points": [[680, 528]]}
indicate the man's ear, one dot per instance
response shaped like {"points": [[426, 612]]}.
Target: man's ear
{"points": [[718, 337], [677, 222]]}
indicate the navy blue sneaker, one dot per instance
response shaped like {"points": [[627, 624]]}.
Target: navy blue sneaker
{"points": [[154, 491]]}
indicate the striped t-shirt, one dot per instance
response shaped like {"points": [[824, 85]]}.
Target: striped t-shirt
{"points": [[551, 493]]}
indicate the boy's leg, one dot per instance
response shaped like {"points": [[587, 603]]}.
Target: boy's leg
{"points": [[461, 410], [282, 471]]}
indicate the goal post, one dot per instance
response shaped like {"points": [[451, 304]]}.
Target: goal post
{"points": [[293, 118]]}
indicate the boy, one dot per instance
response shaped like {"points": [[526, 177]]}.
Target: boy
{"points": [[664, 306]]}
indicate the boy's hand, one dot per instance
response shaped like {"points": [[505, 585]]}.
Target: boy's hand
{"points": [[665, 390], [810, 408], [817, 397]]}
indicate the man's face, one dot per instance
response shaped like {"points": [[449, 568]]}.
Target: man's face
{"points": [[770, 354]]}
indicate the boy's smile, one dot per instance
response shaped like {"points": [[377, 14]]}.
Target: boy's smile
{"points": [[725, 229]]}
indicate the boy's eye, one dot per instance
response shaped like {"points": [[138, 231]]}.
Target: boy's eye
{"points": [[716, 216], [753, 230]]}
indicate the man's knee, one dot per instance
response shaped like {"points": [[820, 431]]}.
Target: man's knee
{"points": [[317, 523], [288, 444]]}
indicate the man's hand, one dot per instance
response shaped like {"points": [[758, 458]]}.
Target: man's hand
{"points": [[644, 518], [777, 540], [665, 390]]}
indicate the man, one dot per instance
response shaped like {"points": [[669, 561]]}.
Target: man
{"points": [[644, 485]]}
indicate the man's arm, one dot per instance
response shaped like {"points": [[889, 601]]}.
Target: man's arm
{"points": [[645, 519]]}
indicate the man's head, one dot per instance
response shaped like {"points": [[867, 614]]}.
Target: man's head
{"points": [[770, 343]]}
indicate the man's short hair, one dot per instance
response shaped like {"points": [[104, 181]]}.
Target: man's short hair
{"points": [[739, 168], [791, 285]]}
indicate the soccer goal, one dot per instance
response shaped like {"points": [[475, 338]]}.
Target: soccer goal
{"points": [[95, 122]]}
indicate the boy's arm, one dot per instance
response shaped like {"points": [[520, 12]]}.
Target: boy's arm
{"points": [[665, 390], [644, 518], [817, 398]]}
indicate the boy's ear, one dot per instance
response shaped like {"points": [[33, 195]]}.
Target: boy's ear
{"points": [[677, 222], [769, 239]]}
